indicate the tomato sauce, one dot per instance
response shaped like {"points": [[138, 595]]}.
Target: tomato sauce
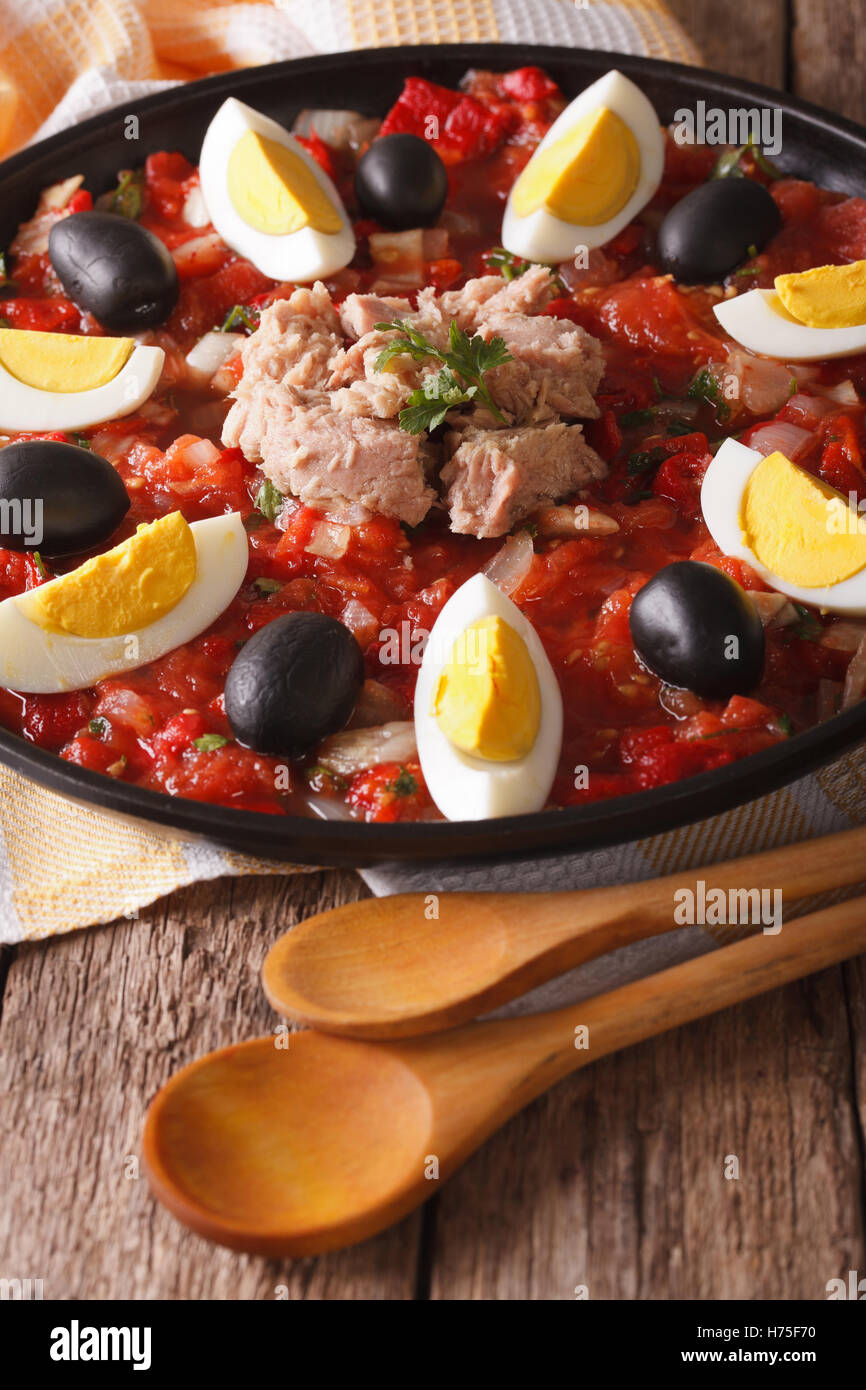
{"points": [[623, 730]]}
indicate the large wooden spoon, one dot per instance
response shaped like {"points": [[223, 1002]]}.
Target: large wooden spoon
{"points": [[293, 1151], [412, 964]]}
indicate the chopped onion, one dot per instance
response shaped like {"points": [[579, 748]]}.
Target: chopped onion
{"points": [[843, 636], [194, 211], [774, 610], [360, 621], [844, 392], [682, 704], [790, 440], [211, 351], [806, 410], [764, 386], [199, 452], [329, 539], [400, 257], [355, 750], [577, 519], [510, 565], [435, 243], [460, 224], [855, 678], [377, 704], [110, 446], [201, 255], [342, 130], [600, 270]]}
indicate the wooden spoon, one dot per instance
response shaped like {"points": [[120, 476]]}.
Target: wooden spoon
{"points": [[387, 968], [298, 1150]]}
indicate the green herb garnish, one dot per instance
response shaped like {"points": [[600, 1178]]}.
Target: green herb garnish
{"points": [[128, 197], [706, 388], [644, 459], [98, 727], [675, 428], [634, 418], [240, 316], [511, 267], [727, 166], [268, 500], [808, 629], [404, 784], [208, 743], [267, 586], [39, 565], [786, 724], [460, 380], [5, 282]]}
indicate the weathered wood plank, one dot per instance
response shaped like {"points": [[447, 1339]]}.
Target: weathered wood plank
{"points": [[749, 41], [828, 49], [616, 1180], [92, 1025]]}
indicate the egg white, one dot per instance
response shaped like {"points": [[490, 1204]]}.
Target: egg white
{"points": [[721, 502], [543, 237], [301, 256], [760, 321], [24, 407], [39, 662], [465, 787]]}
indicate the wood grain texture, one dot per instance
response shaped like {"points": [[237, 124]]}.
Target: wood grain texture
{"points": [[614, 1180]]}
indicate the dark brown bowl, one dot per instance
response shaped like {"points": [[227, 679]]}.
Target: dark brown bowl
{"points": [[817, 146]]}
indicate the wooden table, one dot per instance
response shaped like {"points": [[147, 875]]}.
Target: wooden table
{"points": [[616, 1180]]}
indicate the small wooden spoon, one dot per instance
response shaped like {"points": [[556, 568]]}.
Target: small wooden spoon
{"points": [[300, 1150], [385, 968]]}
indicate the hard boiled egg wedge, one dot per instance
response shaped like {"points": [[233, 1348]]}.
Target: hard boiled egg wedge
{"points": [[806, 317], [597, 166], [269, 199], [488, 712], [801, 536], [150, 594], [61, 381]]}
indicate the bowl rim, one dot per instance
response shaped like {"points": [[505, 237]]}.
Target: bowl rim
{"points": [[349, 842]]}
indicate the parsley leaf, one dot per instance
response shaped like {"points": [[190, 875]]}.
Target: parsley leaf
{"points": [[98, 727], [404, 784], [808, 629], [644, 459], [727, 166], [267, 586], [39, 565], [208, 743], [128, 197], [635, 418], [706, 388], [241, 316], [268, 500], [460, 380], [786, 724], [509, 266]]}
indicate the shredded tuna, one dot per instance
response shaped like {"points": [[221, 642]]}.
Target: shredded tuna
{"points": [[495, 478], [324, 458], [321, 420]]}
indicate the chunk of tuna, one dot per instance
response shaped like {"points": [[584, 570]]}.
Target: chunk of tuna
{"points": [[473, 305], [327, 457], [556, 369], [495, 478], [359, 313], [294, 347]]}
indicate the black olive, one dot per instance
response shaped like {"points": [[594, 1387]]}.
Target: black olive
{"points": [[115, 268], [57, 498], [708, 233], [401, 182], [695, 628], [293, 683]]}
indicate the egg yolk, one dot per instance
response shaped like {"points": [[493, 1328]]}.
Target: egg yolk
{"points": [[586, 176], [62, 361], [829, 296], [488, 701], [802, 529], [127, 588], [274, 191]]}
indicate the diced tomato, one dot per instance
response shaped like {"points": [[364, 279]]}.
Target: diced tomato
{"points": [[459, 126], [529, 84], [57, 315], [389, 792], [841, 456], [679, 478], [315, 145], [52, 720]]}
